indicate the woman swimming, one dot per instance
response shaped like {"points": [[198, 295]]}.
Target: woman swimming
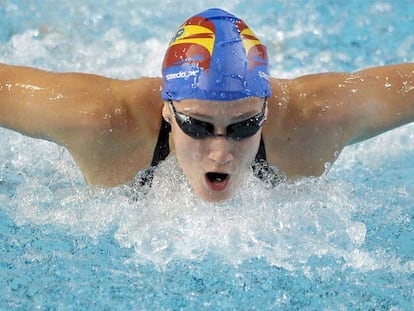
{"points": [[217, 98]]}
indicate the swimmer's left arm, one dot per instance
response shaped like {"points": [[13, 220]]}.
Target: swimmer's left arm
{"points": [[313, 117], [358, 105], [379, 99]]}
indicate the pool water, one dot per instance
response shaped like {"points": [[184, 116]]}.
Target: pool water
{"points": [[341, 242]]}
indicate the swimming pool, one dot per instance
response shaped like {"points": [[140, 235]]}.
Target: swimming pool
{"points": [[342, 242]]}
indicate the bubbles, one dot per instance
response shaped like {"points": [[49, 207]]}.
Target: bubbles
{"points": [[286, 224]]}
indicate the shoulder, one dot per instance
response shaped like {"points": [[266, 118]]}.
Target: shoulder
{"points": [[304, 128], [139, 96], [122, 140], [320, 98]]}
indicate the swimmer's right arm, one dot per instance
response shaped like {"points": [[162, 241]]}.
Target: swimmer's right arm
{"points": [[109, 126], [44, 104]]}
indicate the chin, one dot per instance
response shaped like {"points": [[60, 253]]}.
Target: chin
{"points": [[214, 196], [215, 199]]}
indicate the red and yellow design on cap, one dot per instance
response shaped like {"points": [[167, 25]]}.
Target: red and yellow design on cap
{"points": [[192, 43], [255, 50]]}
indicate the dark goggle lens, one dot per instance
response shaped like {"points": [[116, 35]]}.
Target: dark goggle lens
{"points": [[196, 129], [242, 131]]}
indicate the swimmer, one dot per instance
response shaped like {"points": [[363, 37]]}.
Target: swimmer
{"points": [[215, 108]]}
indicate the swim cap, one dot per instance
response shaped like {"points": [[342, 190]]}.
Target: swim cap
{"points": [[215, 56]]}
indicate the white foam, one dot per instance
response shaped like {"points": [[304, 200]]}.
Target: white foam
{"points": [[285, 225]]}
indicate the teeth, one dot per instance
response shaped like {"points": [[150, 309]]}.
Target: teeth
{"points": [[216, 177]]}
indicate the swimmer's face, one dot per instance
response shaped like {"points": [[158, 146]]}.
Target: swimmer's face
{"points": [[215, 165]]}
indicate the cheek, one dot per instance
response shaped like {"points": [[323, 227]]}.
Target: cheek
{"points": [[248, 148], [185, 147]]}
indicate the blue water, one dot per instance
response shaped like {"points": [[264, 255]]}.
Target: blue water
{"points": [[341, 242]]}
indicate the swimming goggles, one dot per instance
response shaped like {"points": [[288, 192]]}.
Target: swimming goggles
{"points": [[198, 129]]}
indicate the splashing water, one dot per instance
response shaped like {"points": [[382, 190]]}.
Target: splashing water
{"points": [[285, 225]]}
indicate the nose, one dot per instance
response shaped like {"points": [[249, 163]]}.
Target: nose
{"points": [[220, 150]]}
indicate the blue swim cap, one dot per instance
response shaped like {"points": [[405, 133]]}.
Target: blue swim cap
{"points": [[215, 56]]}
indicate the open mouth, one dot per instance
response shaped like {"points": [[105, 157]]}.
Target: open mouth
{"points": [[217, 181], [217, 177]]}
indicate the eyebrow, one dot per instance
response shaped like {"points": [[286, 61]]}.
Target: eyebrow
{"points": [[239, 117]]}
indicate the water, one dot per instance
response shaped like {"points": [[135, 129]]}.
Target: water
{"points": [[341, 242]]}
